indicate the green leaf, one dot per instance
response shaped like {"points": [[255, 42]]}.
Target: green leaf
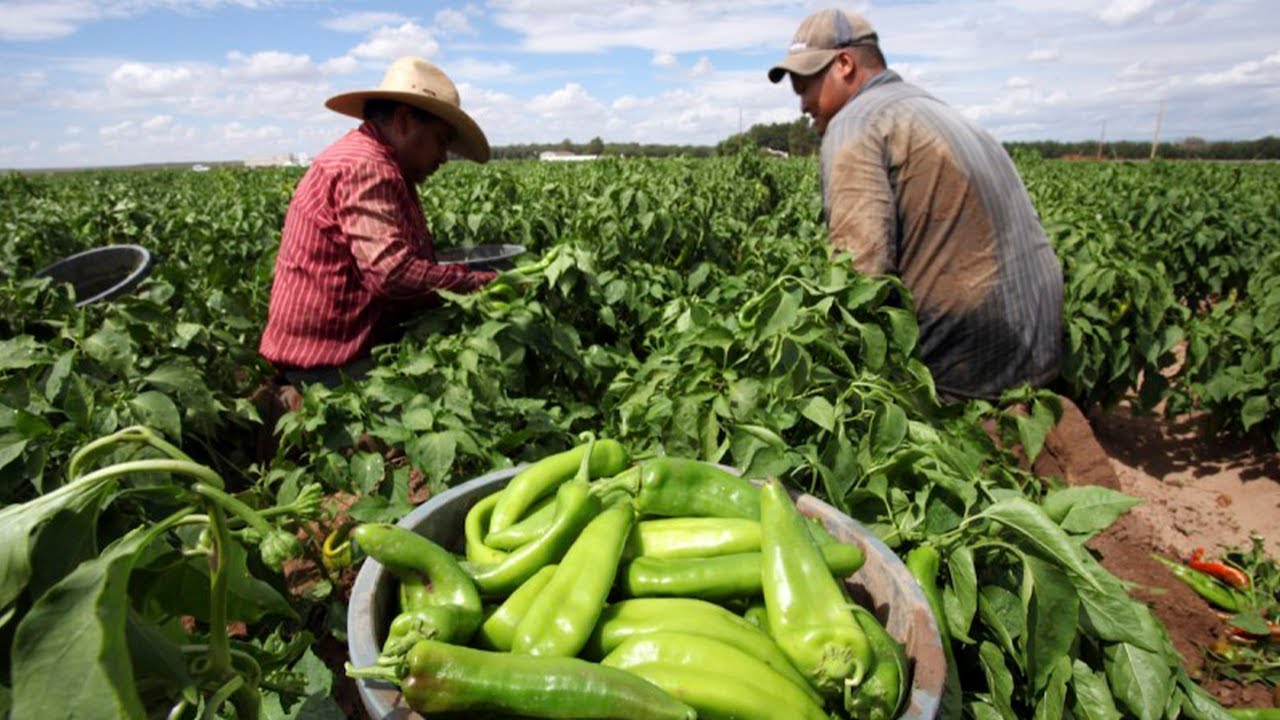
{"points": [[182, 588], [1198, 704], [1055, 692], [960, 597], [1141, 679], [888, 429], [1039, 535], [112, 349], [20, 353], [999, 679], [156, 658], [821, 413], [1002, 612], [784, 315], [18, 521], [77, 630], [1087, 509], [367, 469], [1093, 700], [1254, 411], [157, 410], [1053, 614]]}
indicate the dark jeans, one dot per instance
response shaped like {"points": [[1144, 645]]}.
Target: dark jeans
{"points": [[330, 377]]}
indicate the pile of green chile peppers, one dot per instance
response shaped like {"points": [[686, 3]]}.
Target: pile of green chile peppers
{"points": [[591, 587]]}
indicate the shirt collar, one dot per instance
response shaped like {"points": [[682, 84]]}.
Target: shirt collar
{"points": [[884, 77]]}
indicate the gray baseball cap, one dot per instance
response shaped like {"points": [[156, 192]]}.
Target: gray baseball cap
{"points": [[817, 40]]}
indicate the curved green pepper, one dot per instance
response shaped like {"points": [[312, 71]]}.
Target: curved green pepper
{"points": [[722, 680], [497, 630], [479, 552], [721, 577], [575, 507], [923, 561], [438, 678], [629, 618], [1207, 587], [534, 523], [885, 687], [674, 487], [410, 555], [607, 457], [561, 618], [677, 537], [808, 614]]}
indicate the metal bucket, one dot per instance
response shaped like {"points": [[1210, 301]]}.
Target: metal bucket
{"points": [[101, 273], [883, 585], [481, 257]]}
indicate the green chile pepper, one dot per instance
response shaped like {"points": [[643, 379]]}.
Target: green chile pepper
{"points": [[410, 555], [438, 677], [1207, 587], [626, 619], [723, 682], [721, 577], [533, 524], [808, 614], [677, 537], [497, 631], [479, 552], [882, 691], [758, 615], [561, 618], [675, 487], [923, 561], [575, 507], [606, 458], [430, 622]]}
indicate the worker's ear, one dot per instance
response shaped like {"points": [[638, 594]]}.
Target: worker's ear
{"points": [[845, 65]]}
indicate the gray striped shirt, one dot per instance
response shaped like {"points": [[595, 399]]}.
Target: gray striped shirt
{"points": [[912, 188]]}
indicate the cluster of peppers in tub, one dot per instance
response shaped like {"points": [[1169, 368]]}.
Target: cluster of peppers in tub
{"points": [[594, 588]]}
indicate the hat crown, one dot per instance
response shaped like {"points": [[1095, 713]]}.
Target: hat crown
{"points": [[415, 75], [830, 29]]}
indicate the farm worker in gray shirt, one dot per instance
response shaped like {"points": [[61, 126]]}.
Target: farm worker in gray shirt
{"points": [[912, 188]]}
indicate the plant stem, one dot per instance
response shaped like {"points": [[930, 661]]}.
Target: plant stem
{"points": [[231, 504]]}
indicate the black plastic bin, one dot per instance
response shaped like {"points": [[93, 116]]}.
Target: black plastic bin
{"points": [[102, 273]]}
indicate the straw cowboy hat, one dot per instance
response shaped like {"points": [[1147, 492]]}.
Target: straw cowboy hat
{"points": [[416, 82]]}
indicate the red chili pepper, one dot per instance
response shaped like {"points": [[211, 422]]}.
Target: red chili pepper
{"points": [[1273, 633], [1234, 577]]}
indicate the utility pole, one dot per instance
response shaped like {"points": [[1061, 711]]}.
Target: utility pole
{"points": [[1102, 138], [1155, 143]]}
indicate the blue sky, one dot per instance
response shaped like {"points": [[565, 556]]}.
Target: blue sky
{"points": [[109, 82]]}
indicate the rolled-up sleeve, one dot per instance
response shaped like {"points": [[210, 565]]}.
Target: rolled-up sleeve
{"points": [[377, 213]]}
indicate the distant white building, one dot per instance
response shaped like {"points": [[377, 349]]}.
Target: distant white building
{"points": [[563, 156], [280, 160], [200, 167]]}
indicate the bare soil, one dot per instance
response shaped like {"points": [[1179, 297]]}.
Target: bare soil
{"points": [[1197, 491]]}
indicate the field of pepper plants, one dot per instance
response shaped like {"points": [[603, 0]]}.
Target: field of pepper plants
{"points": [[163, 556]]}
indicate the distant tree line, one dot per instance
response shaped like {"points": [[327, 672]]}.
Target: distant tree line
{"points": [[799, 138]]}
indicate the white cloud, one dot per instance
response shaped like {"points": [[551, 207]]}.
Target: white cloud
{"points": [[1017, 83], [475, 70], [572, 99], [44, 19], [344, 65], [141, 79], [1119, 12], [359, 22], [702, 67], [663, 60], [1260, 73], [158, 123], [389, 43], [453, 21], [270, 65], [1044, 55]]}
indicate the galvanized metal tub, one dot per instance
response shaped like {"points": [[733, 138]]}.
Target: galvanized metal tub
{"points": [[883, 585]]}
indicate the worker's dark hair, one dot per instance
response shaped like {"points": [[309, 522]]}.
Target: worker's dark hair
{"points": [[380, 110], [869, 55]]}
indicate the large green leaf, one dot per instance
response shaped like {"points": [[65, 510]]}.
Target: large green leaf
{"points": [[71, 650], [1141, 680], [1087, 509]]}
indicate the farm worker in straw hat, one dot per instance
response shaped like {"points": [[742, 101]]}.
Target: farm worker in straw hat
{"points": [[356, 255], [912, 188]]}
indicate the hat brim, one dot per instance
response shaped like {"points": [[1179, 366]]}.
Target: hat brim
{"points": [[804, 63], [470, 142]]}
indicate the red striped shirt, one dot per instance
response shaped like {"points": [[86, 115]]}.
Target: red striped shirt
{"points": [[356, 258]]}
